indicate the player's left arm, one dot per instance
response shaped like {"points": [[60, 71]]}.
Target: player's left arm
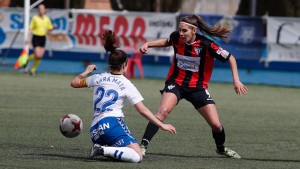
{"points": [[146, 113], [50, 26], [79, 81], [239, 87]]}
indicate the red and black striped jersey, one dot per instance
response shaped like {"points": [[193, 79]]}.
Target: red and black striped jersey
{"points": [[193, 63]]}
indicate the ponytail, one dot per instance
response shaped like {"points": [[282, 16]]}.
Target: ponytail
{"points": [[110, 41], [117, 57]]}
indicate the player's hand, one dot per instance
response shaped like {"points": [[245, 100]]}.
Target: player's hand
{"points": [[91, 68], [169, 128], [144, 48], [54, 26], [240, 88]]}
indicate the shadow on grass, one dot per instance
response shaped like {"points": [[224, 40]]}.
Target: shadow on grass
{"points": [[181, 156], [105, 159], [272, 160], [76, 158], [220, 157]]}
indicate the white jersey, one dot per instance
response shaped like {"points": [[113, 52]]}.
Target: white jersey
{"points": [[110, 93]]}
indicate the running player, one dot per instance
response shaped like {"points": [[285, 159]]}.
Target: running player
{"points": [[39, 25], [109, 133], [190, 73]]}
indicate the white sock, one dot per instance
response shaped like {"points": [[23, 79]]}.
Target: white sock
{"points": [[122, 153]]}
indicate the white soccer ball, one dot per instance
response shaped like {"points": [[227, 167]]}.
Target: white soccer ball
{"points": [[70, 125]]}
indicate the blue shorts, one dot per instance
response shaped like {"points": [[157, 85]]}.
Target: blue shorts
{"points": [[111, 131]]}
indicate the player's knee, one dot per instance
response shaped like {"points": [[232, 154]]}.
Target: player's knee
{"points": [[39, 57], [136, 158], [217, 127], [162, 113], [161, 117]]}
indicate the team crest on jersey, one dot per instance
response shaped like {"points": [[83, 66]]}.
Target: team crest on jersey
{"points": [[197, 50]]}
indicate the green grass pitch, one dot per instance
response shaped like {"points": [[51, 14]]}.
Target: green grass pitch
{"points": [[263, 127]]}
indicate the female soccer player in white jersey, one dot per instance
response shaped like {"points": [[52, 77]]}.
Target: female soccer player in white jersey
{"points": [[109, 133]]}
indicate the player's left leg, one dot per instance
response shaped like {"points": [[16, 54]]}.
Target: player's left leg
{"points": [[128, 154], [205, 105], [210, 114], [168, 102]]}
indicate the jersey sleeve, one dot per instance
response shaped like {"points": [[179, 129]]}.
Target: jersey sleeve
{"points": [[171, 38], [218, 52], [49, 24], [32, 23], [133, 95], [91, 80]]}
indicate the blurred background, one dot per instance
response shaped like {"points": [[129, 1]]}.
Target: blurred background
{"points": [[224, 7], [265, 36]]}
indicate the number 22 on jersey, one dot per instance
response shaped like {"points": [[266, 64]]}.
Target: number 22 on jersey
{"points": [[105, 98]]}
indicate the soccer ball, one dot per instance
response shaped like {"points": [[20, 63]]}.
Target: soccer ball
{"points": [[70, 125]]}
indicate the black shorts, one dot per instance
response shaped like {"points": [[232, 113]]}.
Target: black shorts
{"points": [[38, 41], [197, 96]]}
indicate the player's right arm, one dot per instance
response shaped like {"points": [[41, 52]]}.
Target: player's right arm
{"points": [[145, 112], [79, 81], [31, 27], [156, 43]]}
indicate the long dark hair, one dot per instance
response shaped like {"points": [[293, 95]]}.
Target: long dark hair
{"points": [[117, 57], [217, 30]]}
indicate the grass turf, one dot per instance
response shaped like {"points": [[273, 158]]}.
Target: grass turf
{"points": [[263, 126]]}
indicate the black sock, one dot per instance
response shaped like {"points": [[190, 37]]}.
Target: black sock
{"points": [[219, 139], [150, 131]]}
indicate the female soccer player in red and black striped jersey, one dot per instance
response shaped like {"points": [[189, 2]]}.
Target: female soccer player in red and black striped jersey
{"points": [[188, 76]]}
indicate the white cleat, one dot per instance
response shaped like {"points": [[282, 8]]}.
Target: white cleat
{"points": [[229, 153], [143, 148]]}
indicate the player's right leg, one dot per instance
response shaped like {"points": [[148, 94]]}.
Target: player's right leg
{"points": [[112, 131], [229, 153], [168, 102], [127, 154], [38, 53], [38, 43], [210, 114]]}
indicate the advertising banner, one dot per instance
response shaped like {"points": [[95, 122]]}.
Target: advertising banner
{"points": [[12, 28], [283, 38], [132, 28], [79, 31]]}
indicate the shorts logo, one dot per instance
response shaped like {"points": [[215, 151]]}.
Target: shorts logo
{"points": [[170, 87], [119, 143], [96, 133], [209, 98]]}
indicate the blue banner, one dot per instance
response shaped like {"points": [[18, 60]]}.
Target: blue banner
{"points": [[247, 40]]}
